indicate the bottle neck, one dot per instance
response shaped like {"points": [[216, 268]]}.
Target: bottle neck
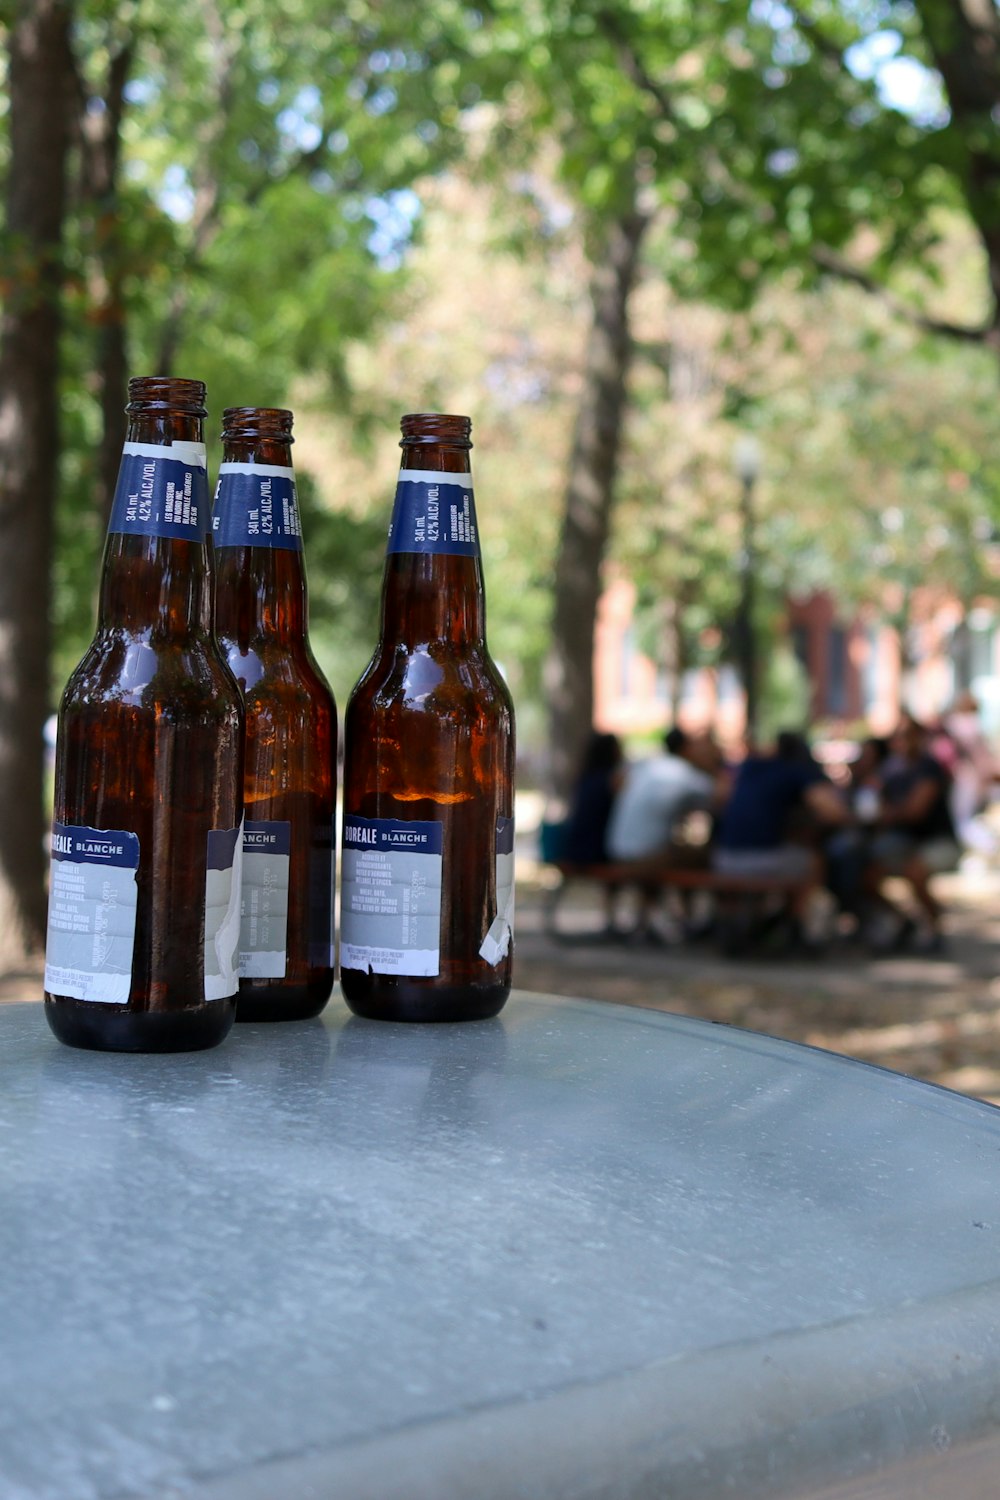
{"points": [[155, 577], [432, 595], [260, 578]]}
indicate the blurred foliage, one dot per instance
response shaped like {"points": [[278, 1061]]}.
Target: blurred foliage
{"points": [[785, 693], [257, 220], [361, 209], [344, 569]]}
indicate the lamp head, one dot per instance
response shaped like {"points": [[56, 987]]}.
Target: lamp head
{"points": [[746, 458]]}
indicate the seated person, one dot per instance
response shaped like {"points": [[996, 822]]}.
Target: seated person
{"points": [[914, 834], [601, 774], [847, 848], [972, 776], [647, 823], [656, 798], [769, 795], [866, 775]]}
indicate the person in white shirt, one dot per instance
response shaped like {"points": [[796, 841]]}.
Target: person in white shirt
{"points": [[657, 796], [649, 816]]}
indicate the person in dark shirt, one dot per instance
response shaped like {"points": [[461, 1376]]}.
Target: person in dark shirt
{"points": [[770, 825], [585, 834], [848, 850], [770, 794], [915, 836]]}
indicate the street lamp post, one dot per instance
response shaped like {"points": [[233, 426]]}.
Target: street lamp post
{"points": [[746, 464]]}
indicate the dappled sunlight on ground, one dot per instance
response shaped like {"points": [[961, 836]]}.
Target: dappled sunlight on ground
{"points": [[937, 1018]]}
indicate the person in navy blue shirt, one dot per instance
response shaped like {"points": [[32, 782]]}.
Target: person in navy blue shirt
{"points": [[775, 799]]}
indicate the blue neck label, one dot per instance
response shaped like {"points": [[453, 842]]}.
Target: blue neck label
{"points": [[434, 513], [256, 506], [162, 490]]}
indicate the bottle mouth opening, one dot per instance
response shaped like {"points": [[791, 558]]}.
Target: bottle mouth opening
{"points": [[435, 427], [166, 393], [274, 422]]}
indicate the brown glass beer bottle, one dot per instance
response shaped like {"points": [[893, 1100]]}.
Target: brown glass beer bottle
{"points": [[290, 778], [141, 954], [428, 879]]}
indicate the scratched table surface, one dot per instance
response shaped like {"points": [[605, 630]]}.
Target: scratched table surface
{"points": [[579, 1251]]}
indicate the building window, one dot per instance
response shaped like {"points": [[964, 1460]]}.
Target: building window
{"points": [[690, 683], [869, 672], [961, 658], [728, 684], [625, 664], [800, 646], [982, 644], [836, 676]]}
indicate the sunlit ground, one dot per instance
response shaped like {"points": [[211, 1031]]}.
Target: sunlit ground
{"points": [[935, 1018]]}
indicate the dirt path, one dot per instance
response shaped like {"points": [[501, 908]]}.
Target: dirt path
{"points": [[936, 1018]]}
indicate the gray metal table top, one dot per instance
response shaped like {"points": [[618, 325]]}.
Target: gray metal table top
{"points": [[580, 1251]]}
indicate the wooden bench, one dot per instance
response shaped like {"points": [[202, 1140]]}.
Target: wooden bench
{"points": [[750, 908]]}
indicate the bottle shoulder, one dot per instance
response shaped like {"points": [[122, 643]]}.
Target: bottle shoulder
{"points": [[145, 670], [268, 668], [434, 680]]}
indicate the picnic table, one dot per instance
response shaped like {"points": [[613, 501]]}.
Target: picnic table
{"points": [[578, 1251]]}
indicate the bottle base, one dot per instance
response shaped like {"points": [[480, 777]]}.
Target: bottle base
{"points": [[264, 1000], [378, 997], [103, 1028]]}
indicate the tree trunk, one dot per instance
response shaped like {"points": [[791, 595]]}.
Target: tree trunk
{"points": [[901, 621], [964, 38], [100, 139], [40, 82], [569, 680], [112, 370], [672, 656], [208, 185]]}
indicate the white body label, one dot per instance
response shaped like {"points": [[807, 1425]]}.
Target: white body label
{"points": [[93, 896], [390, 906]]}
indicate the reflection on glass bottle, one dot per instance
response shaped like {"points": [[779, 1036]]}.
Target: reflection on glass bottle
{"points": [[286, 942], [144, 896], [427, 894]]}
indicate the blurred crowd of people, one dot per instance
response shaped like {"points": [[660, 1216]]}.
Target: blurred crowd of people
{"points": [[882, 825]]}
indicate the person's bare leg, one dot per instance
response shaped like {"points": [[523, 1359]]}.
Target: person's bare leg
{"points": [[918, 876], [810, 882], [884, 940], [872, 884], [806, 907]]}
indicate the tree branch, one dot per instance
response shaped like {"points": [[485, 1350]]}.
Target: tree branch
{"points": [[635, 69], [832, 264], [824, 45]]}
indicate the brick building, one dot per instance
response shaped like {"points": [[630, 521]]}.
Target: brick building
{"points": [[857, 669]]}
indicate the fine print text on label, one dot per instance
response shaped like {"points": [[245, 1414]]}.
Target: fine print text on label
{"points": [[256, 506], [162, 491], [434, 513], [390, 909], [93, 897], [264, 925], [223, 875]]}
